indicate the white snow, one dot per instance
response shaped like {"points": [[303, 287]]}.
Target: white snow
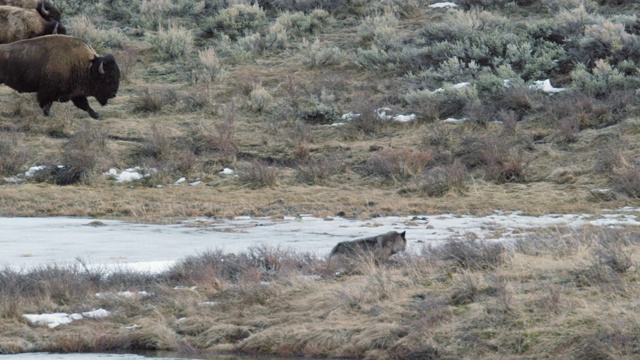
{"points": [[443, 5], [180, 181], [227, 171], [457, 86], [350, 116], [34, 170], [127, 175], [125, 294], [384, 114], [404, 118], [454, 120], [545, 85], [54, 320]]}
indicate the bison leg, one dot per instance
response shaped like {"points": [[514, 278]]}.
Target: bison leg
{"points": [[45, 103], [82, 103], [46, 107]]}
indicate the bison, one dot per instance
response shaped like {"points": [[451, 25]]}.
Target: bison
{"points": [[59, 68], [380, 246], [19, 24], [44, 7]]}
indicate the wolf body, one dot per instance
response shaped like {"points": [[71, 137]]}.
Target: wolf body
{"points": [[380, 246]]}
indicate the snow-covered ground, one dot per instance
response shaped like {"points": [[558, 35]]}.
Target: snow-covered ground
{"points": [[30, 242]]}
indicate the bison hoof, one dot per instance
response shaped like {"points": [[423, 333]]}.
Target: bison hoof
{"points": [[95, 115]]}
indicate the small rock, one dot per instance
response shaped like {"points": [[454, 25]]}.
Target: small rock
{"points": [[375, 310]]}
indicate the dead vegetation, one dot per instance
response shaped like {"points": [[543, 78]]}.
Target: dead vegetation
{"points": [[300, 100], [540, 296]]}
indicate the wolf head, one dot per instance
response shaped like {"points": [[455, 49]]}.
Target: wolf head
{"points": [[393, 242], [399, 242]]}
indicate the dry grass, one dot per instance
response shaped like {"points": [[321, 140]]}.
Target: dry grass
{"points": [[263, 301], [195, 100]]}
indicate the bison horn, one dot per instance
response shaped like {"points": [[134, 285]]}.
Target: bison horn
{"points": [[42, 8], [101, 68]]}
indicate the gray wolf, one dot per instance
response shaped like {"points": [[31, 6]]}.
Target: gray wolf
{"points": [[380, 246]]}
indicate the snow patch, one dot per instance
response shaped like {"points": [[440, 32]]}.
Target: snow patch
{"points": [[443, 5], [545, 85], [127, 175], [54, 320]]}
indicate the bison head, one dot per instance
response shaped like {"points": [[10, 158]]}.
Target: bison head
{"points": [[105, 78], [48, 11]]}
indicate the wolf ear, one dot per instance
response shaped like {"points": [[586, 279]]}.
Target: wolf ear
{"points": [[402, 233]]}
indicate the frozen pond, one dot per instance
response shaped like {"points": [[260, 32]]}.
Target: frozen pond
{"points": [[29, 242]]}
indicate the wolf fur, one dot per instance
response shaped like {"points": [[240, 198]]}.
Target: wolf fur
{"points": [[380, 246]]}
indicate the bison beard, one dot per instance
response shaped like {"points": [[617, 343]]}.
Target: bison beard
{"points": [[59, 68]]}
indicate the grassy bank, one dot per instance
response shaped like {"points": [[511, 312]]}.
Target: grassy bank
{"points": [[557, 292], [262, 89]]}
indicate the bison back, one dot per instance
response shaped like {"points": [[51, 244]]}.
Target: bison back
{"points": [[47, 61]]}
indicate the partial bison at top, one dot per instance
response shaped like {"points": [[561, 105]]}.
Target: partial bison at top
{"points": [[20, 24], [44, 7], [59, 68]]}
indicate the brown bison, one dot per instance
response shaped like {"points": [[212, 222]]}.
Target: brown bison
{"points": [[44, 7], [20, 24], [59, 68], [380, 246]]}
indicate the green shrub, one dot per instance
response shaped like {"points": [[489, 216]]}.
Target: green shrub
{"points": [[236, 21], [439, 105], [298, 24], [123, 11], [374, 58], [453, 70], [259, 98], [99, 39], [211, 63], [175, 42], [555, 6], [153, 13], [320, 109], [380, 30], [602, 79], [605, 39], [316, 54], [535, 61]]}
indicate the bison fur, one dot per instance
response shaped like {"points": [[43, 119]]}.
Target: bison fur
{"points": [[44, 7], [20, 24], [59, 68]]}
